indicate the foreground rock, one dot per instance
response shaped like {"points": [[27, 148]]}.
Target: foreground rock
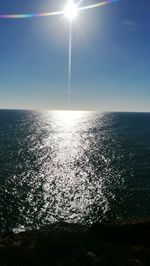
{"points": [[64, 244]]}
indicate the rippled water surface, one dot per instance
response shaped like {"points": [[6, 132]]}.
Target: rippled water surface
{"points": [[73, 166]]}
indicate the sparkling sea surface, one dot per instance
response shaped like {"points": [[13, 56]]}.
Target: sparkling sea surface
{"points": [[73, 166]]}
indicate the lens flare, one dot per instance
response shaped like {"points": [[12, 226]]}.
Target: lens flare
{"points": [[103, 3], [69, 12], [31, 15], [73, 12]]}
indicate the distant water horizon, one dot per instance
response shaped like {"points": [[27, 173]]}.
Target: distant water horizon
{"points": [[71, 110], [73, 166]]}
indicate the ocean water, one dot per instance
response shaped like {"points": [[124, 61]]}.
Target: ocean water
{"points": [[73, 166]]}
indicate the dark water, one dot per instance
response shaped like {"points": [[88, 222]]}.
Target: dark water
{"points": [[73, 166]]}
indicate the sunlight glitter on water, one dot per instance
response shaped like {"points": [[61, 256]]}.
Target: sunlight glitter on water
{"points": [[70, 166], [65, 166], [81, 167]]}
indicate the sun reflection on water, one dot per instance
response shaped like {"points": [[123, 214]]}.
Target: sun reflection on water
{"points": [[64, 170], [68, 166], [70, 171], [68, 119]]}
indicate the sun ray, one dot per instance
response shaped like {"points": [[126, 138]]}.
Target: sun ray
{"points": [[97, 5], [80, 2], [55, 13], [70, 12], [69, 62]]}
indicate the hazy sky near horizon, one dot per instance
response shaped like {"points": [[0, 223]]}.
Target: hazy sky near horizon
{"points": [[110, 57]]}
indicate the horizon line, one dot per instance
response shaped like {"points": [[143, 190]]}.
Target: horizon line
{"points": [[72, 110]]}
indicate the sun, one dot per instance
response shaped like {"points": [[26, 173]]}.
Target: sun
{"points": [[70, 10]]}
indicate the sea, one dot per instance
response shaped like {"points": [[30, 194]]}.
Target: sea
{"points": [[73, 166]]}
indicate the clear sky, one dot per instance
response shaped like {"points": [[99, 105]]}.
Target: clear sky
{"points": [[110, 57]]}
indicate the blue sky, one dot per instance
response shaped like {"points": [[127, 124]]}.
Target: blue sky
{"points": [[110, 57]]}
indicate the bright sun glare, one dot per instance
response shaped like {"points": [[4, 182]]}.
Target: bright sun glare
{"points": [[70, 10]]}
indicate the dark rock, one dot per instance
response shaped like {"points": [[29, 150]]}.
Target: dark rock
{"points": [[111, 260], [134, 262], [92, 259], [64, 244]]}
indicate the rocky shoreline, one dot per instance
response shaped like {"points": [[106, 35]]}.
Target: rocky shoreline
{"points": [[62, 244]]}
